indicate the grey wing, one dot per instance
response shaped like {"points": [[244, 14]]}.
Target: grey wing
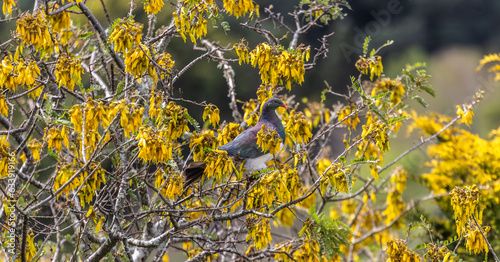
{"points": [[245, 144]]}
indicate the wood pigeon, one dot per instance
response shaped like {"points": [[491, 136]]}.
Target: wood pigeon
{"points": [[244, 146]]}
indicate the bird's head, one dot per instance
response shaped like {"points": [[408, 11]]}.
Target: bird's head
{"points": [[273, 103]]}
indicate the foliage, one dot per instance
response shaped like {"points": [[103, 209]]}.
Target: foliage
{"points": [[95, 169]]}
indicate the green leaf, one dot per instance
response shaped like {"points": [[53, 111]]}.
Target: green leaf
{"points": [[53, 154], [397, 119], [428, 89], [365, 45], [361, 159], [192, 121], [420, 100], [381, 95]]}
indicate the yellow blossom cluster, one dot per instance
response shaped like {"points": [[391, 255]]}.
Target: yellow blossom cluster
{"points": [[395, 87], [432, 124], [153, 6], [464, 202], [169, 184], [308, 251], [35, 147], [18, 73], [285, 217], [474, 241], [466, 114], [228, 133], [264, 92], [34, 30], [259, 232], [439, 254], [276, 66], [368, 148], [54, 136], [240, 7], [96, 113], [125, 35], [250, 115], [190, 18], [4, 108], [372, 65], [60, 24], [397, 251], [138, 64], [60, 21], [395, 203], [377, 132], [72, 1], [350, 121], [5, 152], [219, 166], [202, 143], [165, 62], [336, 176], [212, 113], [268, 140], [7, 6], [488, 59], [297, 128], [154, 145], [68, 71], [91, 183], [282, 185]]}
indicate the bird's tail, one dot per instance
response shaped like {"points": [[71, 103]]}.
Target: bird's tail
{"points": [[193, 172]]}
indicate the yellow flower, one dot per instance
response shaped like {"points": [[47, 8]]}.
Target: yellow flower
{"points": [[268, 140], [350, 121], [298, 129], [259, 232], [474, 240], [190, 18], [240, 7], [34, 29], [35, 147], [336, 175], [171, 186], [125, 35], [4, 109], [7, 6], [228, 133], [212, 113], [55, 137], [242, 51], [153, 6], [395, 87], [397, 251], [465, 115], [68, 71], [250, 115], [7, 78], [60, 21], [308, 251], [219, 166], [464, 201], [153, 145]]}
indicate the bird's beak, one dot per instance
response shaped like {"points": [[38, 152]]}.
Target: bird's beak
{"points": [[284, 106]]}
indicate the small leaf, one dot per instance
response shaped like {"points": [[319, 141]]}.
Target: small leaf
{"points": [[420, 100]]}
